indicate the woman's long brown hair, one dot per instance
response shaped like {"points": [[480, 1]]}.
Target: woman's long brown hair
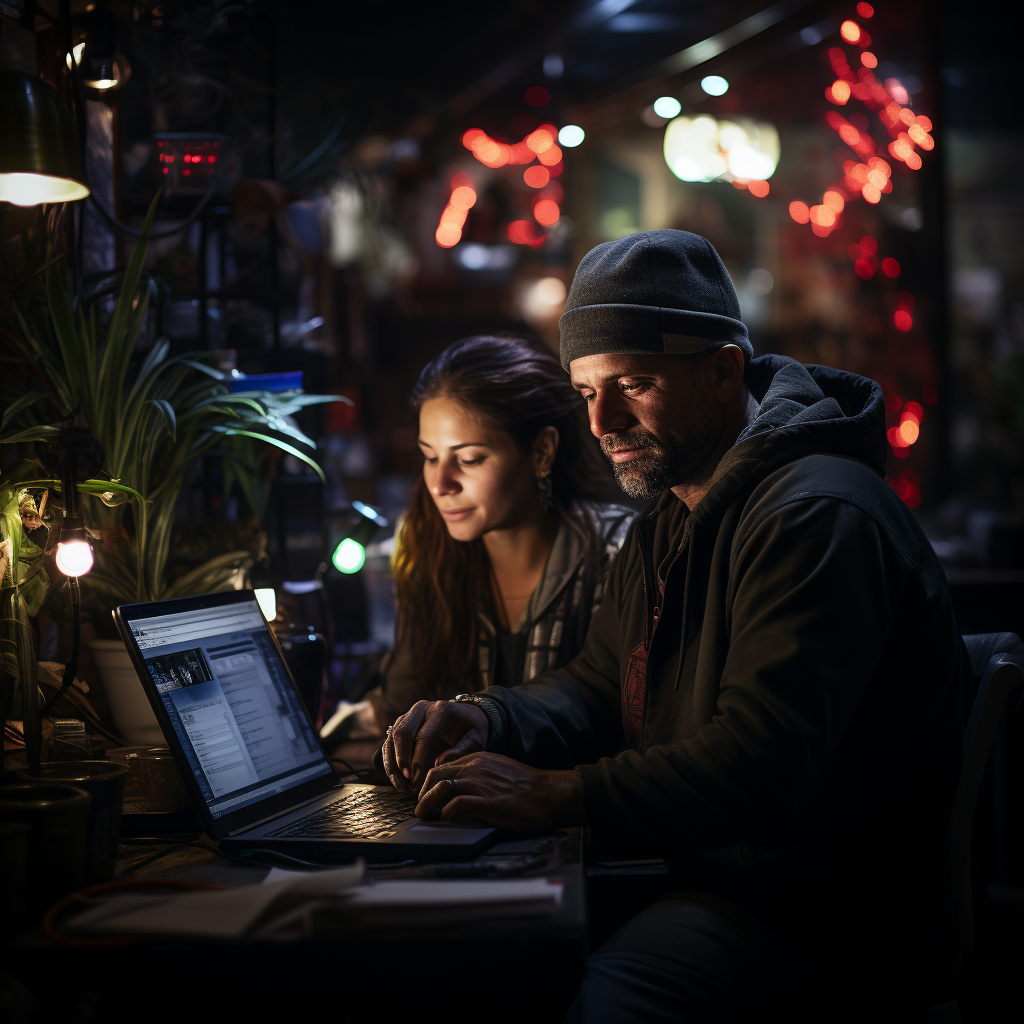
{"points": [[442, 583]]}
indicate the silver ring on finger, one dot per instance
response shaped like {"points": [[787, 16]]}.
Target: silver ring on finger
{"points": [[455, 788]]}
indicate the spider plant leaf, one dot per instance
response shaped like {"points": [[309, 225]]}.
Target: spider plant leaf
{"points": [[167, 411], [216, 573], [196, 365], [42, 432], [30, 398], [118, 349], [266, 438], [68, 341]]}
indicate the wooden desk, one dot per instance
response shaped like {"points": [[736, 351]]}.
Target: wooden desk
{"points": [[511, 969]]}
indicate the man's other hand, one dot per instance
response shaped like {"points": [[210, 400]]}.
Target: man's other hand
{"points": [[503, 792], [431, 732]]}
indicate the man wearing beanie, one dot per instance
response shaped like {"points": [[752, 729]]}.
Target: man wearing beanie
{"points": [[771, 696]]}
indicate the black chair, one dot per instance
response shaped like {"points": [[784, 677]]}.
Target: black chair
{"points": [[997, 663]]}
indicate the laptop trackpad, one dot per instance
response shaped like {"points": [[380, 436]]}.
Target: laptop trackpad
{"points": [[437, 832]]}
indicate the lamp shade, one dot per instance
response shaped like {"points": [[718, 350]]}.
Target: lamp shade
{"points": [[40, 160]]}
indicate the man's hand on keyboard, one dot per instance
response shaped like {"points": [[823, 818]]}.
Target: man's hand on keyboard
{"points": [[431, 733], [503, 792]]}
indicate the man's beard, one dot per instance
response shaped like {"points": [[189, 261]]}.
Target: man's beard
{"points": [[660, 462]]}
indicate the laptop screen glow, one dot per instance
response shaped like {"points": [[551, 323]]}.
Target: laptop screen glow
{"points": [[234, 710]]}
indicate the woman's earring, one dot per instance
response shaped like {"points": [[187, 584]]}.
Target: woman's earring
{"points": [[547, 500]]}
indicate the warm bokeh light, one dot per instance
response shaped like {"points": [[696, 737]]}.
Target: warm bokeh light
{"points": [[447, 235], [537, 96], [913, 411], [897, 91], [850, 31], [834, 201], [871, 193], [865, 10], [893, 402], [550, 156], [74, 557], [540, 140], [546, 212], [890, 267], [536, 176], [463, 198], [868, 59], [838, 92], [864, 267], [799, 212], [902, 320], [758, 188], [525, 232], [822, 216], [869, 245], [924, 122], [910, 431]]}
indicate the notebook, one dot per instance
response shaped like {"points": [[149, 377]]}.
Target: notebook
{"points": [[252, 763]]}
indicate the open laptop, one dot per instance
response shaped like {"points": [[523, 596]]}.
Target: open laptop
{"points": [[235, 723]]}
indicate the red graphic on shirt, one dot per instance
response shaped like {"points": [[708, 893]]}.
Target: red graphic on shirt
{"points": [[634, 693]]}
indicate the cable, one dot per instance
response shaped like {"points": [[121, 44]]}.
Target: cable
{"points": [[48, 923], [124, 229], [71, 665], [318, 152], [360, 773]]}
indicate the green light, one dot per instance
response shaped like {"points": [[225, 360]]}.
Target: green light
{"points": [[349, 556]]}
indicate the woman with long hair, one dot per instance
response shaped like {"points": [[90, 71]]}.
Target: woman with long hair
{"points": [[502, 556]]}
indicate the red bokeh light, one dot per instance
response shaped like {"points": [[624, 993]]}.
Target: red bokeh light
{"points": [[905, 301], [799, 212], [893, 402], [758, 188], [547, 212], [536, 176], [463, 198], [864, 268], [537, 96], [850, 31], [550, 156], [838, 92], [865, 10], [525, 232], [902, 320], [868, 59], [869, 245], [890, 267]]}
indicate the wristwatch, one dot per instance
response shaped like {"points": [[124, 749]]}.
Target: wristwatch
{"points": [[495, 719]]}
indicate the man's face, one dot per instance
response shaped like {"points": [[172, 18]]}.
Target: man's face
{"points": [[655, 416]]}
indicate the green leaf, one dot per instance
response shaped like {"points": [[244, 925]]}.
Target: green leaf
{"points": [[17, 405], [214, 573], [167, 411], [290, 449], [40, 433], [216, 374]]}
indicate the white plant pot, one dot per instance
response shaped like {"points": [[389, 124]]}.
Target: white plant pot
{"points": [[129, 705]]}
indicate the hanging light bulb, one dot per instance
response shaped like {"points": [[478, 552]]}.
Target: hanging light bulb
{"points": [[74, 552]]}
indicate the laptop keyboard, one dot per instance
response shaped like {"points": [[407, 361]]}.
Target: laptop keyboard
{"points": [[357, 814]]}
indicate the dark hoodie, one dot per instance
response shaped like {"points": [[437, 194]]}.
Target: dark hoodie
{"points": [[798, 703]]}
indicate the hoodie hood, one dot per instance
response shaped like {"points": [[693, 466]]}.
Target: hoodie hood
{"points": [[804, 409]]}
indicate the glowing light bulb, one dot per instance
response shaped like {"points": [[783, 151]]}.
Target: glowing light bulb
{"points": [[349, 556], [74, 557], [267, 600]]}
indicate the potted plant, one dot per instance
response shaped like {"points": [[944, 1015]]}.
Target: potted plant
{"points": [[156, 417]]}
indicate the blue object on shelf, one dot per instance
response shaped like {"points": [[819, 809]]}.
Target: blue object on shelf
{"points": [[289, 380]]}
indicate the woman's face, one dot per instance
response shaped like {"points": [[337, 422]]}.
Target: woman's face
{"points": [[479, 478]]}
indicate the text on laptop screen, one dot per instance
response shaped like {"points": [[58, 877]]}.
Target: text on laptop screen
{"points": [[233, 707]]}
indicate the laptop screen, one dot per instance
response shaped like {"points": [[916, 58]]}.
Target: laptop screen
{"points": [[231, 703]]}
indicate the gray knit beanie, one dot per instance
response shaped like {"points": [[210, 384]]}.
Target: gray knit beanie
{"points": [[655, 291]]}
